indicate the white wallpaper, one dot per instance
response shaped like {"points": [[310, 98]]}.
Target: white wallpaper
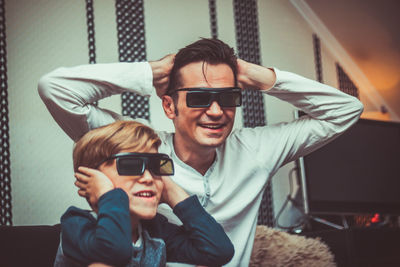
{"points": [[45, 34]]}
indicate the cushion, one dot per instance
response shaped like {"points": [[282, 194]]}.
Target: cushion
{"points": [[277, 248]]}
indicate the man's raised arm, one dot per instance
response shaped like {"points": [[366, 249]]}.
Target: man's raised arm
{"points": [[329, 111], [68, 93]]}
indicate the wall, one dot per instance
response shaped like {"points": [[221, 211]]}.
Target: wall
{"points": [[44, 34], [369, 32]]}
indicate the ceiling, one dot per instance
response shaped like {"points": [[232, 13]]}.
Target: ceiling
{"points": [[369, 30]]}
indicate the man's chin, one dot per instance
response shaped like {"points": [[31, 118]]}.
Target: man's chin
{"points": [[211, 138], [212, 142]]}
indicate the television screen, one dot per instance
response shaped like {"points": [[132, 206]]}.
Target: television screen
{"points": [[359, 172]]}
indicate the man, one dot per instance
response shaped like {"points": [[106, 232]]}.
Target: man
{"points": [[227, 169]]}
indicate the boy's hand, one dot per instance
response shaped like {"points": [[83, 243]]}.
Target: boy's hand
{"points": [[172, 193], [92, 184]]}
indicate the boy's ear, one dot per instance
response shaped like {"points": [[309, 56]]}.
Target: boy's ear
{"points": [[169, 106]]}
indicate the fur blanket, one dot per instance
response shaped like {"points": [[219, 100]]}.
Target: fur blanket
{"points": [[276, 248]]}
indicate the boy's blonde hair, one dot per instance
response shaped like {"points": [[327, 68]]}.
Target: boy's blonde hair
{"points": [[99, 144]]}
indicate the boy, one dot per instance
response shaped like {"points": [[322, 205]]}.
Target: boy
{"points": [[124, 179]]}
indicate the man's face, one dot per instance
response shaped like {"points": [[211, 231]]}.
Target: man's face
{"points": [[144, 191], [203, 127]]}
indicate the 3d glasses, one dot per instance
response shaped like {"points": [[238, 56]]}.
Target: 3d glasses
{"points": [[203, 97], [136, 163]]}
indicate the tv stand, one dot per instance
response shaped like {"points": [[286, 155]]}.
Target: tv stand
{"points": [[331, 224], [359, 247]]}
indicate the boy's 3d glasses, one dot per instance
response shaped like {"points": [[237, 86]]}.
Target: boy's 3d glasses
{"points": [[136, 163], [201, 97]]}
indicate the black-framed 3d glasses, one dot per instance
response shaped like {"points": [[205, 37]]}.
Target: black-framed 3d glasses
{"points": [[136, 163], [201, 97]]}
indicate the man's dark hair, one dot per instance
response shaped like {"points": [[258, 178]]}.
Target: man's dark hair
{"points": [[211, 51]]}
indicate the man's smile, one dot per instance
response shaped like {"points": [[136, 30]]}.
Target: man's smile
{"points": [[213, 126]]}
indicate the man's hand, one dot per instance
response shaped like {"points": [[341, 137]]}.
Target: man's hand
{"points": [[92, 184], [172, 193], [252, 76], [161, 71]]}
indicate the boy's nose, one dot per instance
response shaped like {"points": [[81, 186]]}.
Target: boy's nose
{"points": [[147, 177]]}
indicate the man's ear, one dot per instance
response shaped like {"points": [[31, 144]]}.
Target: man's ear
{"points": [[168, 106]]}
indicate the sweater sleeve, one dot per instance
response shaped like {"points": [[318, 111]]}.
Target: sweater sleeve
{"points": [[201, 240], [329, 112], [107, 239], [69, 93]]}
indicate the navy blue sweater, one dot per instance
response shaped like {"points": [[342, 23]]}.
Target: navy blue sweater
{"points": [[108, 239]]}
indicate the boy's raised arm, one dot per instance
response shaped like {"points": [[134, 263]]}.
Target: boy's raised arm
{"points": [[200, 240], [106, 239]]}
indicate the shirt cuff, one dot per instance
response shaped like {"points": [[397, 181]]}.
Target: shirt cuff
{"points": [[148, 79], [189, 207], [114, 196], [277, 75]]}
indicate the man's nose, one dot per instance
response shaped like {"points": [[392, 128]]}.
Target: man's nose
{"points": [[214, 109], [147, 177]]}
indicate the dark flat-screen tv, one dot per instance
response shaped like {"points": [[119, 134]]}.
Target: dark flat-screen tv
{"points": [[357, 173]]}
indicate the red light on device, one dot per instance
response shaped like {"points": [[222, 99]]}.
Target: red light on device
{"points": [[376, 218]]}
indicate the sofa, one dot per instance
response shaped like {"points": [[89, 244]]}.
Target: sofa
{"points": [[28, 245], [37, 246]]}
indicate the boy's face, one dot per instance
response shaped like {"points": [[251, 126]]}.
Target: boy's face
{"points": [[144, 191]]}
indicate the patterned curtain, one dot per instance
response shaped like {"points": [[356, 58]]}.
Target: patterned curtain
{"points": [[247, 39], [132, 48], [5, 174]]}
